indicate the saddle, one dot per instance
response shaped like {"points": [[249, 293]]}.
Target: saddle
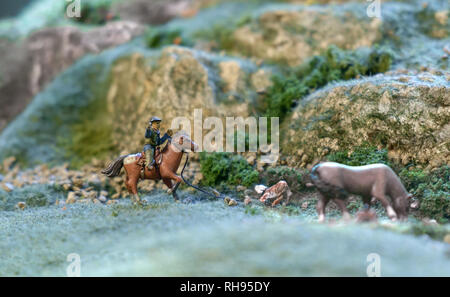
{"points": [[158, 158], [139, 158]]}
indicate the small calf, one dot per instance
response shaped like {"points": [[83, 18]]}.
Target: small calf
{"points": [[277, 192], [336, 181]]}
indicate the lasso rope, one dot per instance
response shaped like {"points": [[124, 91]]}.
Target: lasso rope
{"points": [[191, 185]]}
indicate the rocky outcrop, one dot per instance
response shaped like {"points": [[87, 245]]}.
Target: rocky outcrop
{"points": [[30, 65], [291, 36], [107, 109], [153, 12], [54, 49], [180, 81], [434, 21], [408, 114]]}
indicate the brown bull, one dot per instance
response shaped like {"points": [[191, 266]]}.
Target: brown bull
{"points": [[378, 181]]}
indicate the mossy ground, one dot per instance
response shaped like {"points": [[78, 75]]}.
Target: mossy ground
{"points": [[333, 65], [206, 238]]}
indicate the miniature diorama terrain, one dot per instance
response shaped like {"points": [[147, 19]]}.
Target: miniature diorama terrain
{"points": [[86, 101]]}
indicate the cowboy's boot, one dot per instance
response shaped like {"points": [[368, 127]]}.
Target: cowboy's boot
{"points": [[148, 158]]}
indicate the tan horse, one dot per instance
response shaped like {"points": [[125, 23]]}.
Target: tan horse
{"points": [[167, 162]]}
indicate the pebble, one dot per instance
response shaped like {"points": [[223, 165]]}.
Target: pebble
{"points": [[366, 216], [447, 238], [8, 187], [71, 198], [21, 205], [232, 202], [427, 221], [102, 198], [227, 199], [247, 200], [240, 188]]}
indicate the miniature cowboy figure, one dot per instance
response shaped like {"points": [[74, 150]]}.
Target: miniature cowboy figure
{"points": [[153, 140]]}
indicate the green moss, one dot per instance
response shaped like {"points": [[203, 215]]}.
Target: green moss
{"points": [[91, 137], [433, 191], [413, 178], [220, 34], [91, 134], [361, 155], [158, 37], [429, 25], [333, 65], [226, 169], [380, 61]]}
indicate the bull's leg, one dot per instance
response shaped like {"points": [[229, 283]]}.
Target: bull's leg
{"points": [[378, 191], [399, 209], [320, 207], [343, 207], [387, 206]]}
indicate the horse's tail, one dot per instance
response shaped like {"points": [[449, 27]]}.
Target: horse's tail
{"points": [[114, 167]]}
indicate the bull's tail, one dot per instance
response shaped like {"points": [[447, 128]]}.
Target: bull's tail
{"points": [[113, 168]]}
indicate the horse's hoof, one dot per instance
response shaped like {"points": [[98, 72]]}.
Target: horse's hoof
{"points": [[169, 191]]}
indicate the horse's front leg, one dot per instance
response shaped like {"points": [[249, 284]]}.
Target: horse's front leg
{"points": [[172, 188]]}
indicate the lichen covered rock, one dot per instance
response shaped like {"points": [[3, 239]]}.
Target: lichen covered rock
{"points": [[407, 114], [291, 36], [115, 94], [29, 65], [179, 81]]}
